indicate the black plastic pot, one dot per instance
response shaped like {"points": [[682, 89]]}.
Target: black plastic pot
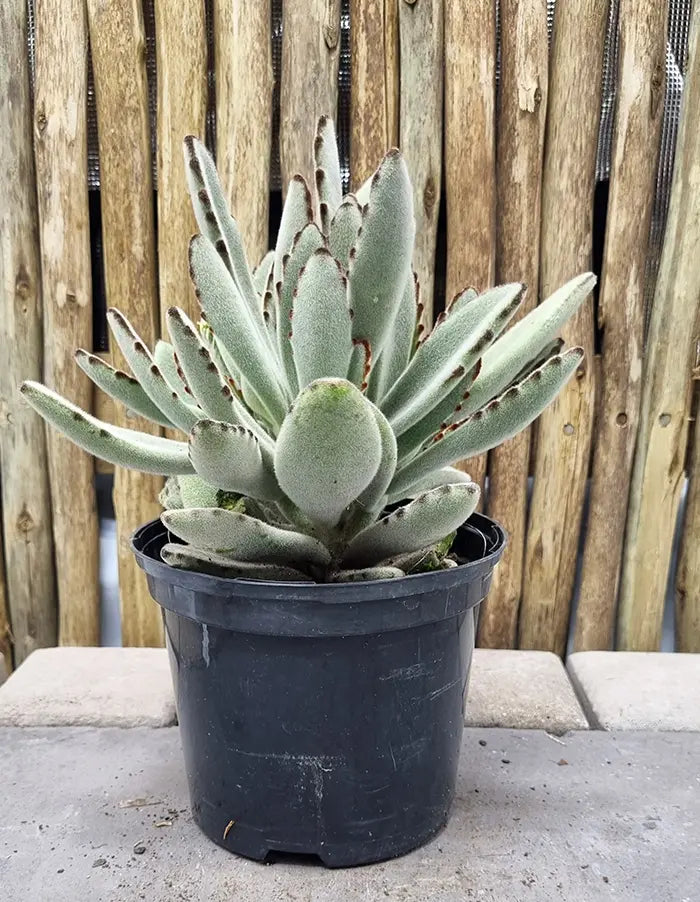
{"points": [[322, 719]]}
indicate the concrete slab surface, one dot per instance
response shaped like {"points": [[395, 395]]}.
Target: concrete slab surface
{"points": [[117, 687], [522, 690], [102, 815], [628, 690]]}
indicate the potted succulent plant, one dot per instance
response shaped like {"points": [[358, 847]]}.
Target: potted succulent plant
{"points": [[319, 561]]}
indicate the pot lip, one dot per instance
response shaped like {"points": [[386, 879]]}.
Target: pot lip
{"points": [[492, 531]]}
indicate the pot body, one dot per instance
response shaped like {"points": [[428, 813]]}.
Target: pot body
{"points": [[322, 719]]}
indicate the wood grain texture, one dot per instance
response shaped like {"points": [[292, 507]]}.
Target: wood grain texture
{"points": [[522, 113], [117, 41], [309, 83], [181, 60], [470, 153], [688, 574], [60, 144], [26, 500], [374, 83], [657, 476], [638, 117], [243, 61], [421, 28], [564, 430], [5, 631]]}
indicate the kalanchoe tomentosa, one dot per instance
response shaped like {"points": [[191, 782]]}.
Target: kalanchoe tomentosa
{"points": [[321, 425]]}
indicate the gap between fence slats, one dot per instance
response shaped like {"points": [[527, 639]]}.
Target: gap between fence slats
{"points": [[519, 157], [638, 117], [563, 444], [309, 83], [243, 65], [421, 28], [687, 601], [658, 473], [118, 44], [470, 154], [60, 143]]}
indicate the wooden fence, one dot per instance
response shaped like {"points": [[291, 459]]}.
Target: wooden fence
{"points": [[504, 190]]}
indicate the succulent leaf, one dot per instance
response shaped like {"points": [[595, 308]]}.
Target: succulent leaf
{"points": [[122, 447], [365, 574], [306, 243], [328, 449], [120, 386], [448, 353], [526, 339], [329, 184], [424, 521], [373, 496], [296, 214], [445, 476], [149, 374], [500, 420], [321, 326], [397, 353], [227, 315], [343, 230], [381, 263], [244, 538], [185, 557], [263, 272], [195, 492], [230, 458], [217, 224]]}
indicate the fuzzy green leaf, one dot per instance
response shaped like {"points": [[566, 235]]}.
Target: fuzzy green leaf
{"points": [[149, 374], [307, 242], [297, 213], [328, 449], [397, 352], [184, 557], [244, 538], [262, 272], [321, 326], [217, 224], [365, 574], [448, 353], [164, 357], [329, 185], [344, 229], [230, 458], [122, 447], [121, 386], [500, 420], [527, 338], [195, 492], [381, 263], [445, 476], [373, 496], [423, 522], [227, 314]]}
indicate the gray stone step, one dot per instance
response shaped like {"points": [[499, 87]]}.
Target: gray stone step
{"points": [[623, 690], [103, 815]]}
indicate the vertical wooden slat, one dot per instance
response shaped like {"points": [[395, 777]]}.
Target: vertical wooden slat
{"points": [[60, 141], [243, 61], [5, 631], [181, 60], [638, 117], [470, 153], [374, 82], [118, 54], [26, 505], [564, 430], [522, 111], [421, 28], [688, 573], [657, 476], [309, 87]]}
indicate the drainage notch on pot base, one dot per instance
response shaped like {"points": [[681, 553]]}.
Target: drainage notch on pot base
{"points": [[322, 719]]}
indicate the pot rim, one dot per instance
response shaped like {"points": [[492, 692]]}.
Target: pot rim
{"points": [[494, 535]]}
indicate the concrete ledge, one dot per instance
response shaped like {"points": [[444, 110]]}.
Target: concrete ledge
{"points": [[525, 690], [638, 690], [108, 687]]}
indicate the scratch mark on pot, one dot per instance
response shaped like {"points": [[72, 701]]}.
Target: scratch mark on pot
{"points": [[405, 673], [391, 752], [205, 643], [443, 689]]}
